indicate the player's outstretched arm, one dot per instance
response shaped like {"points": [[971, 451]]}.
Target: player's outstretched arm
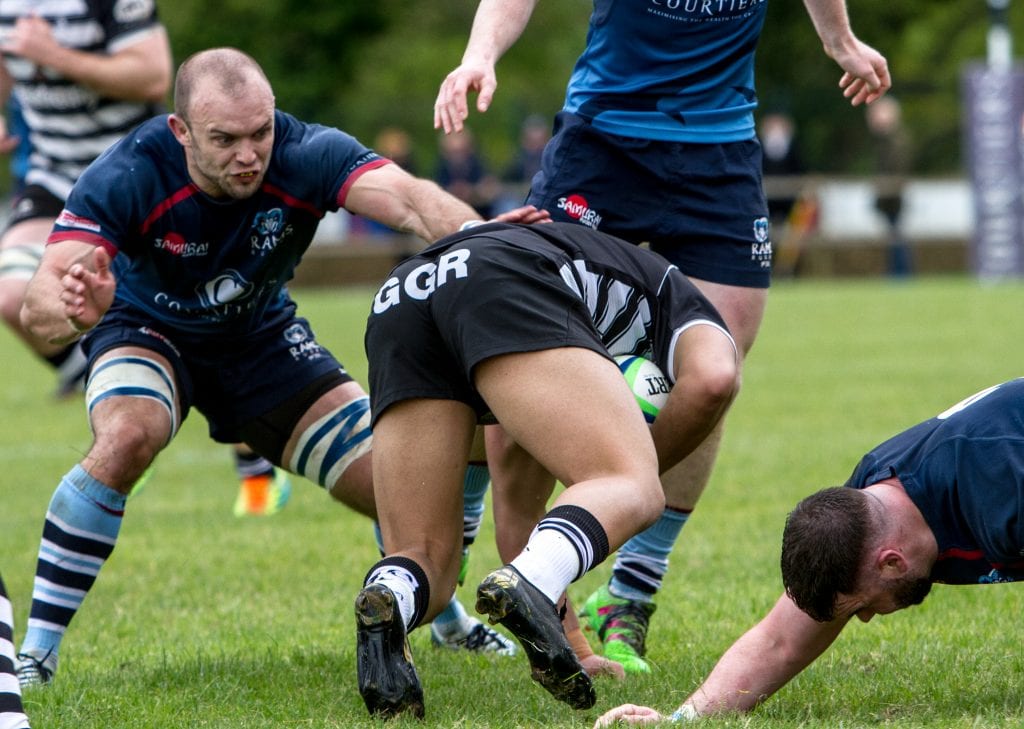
{"points": [[496, 26], [757, 665], [69, 293], [865, 70], [391, 196]]}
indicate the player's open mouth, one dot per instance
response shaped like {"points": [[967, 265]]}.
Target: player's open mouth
{"points": [[246, 175]]}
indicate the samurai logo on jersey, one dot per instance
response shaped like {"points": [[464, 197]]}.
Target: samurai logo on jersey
{"points": [[269, 229], [176, 245], [577, 208], [761, 248], [423, 280]]}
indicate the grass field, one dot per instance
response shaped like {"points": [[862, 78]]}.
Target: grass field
{"points": [[203, 620]]}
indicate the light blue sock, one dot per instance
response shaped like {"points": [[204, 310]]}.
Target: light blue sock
{"points": [[474, 490], [641, 563], [81, 527]]}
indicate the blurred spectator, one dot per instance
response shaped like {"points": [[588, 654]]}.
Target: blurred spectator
{"points": [[462, 172], [395, 144], [892, 163], [792, 207], [533, 135], [781, 159]]}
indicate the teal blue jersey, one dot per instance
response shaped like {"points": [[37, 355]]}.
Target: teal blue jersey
{"points": [[671, 70]]}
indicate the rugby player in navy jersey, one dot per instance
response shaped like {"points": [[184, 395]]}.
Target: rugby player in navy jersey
{"points": [[173, 253], [656, 143], [938, 503]]}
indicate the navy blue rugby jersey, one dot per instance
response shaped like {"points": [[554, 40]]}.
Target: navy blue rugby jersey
{"points": [[637, 300], [672, 70], [964, 470], [205, 265]]}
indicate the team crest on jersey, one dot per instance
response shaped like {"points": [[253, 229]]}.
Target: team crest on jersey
{"points": [[228, 288], [577, 208], [295, 334], [269, 229], [761, 248]]}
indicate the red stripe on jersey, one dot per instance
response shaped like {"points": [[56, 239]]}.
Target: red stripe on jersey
{"points": [[343, 192], [183, 194], [291, 201], [82, 237], [957, 553]]}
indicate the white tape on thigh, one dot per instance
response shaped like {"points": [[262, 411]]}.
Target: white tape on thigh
{"points": [[133, 376], [333, 443], [20, 262]]}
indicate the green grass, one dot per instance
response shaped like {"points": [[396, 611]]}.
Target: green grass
{"points": [[203, 620]]}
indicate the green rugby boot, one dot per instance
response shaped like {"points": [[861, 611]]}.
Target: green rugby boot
{"points": [[621, 625]]}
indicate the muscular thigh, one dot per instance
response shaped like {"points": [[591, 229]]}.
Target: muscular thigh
{"points": [[571, 409]]}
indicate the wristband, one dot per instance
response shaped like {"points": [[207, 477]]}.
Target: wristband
{"points": [[686, 712], [471, 224]]}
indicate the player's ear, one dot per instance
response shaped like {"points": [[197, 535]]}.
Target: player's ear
{"points": [[180, 130], [891, 563]]}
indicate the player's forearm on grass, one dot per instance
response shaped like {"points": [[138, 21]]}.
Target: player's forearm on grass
{"points": [[764, 659], [496, 27]]}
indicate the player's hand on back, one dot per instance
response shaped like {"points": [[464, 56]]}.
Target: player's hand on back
{"points": [[525, 215]]}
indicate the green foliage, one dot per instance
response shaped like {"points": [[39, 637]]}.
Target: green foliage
{"points": [[308, 49], [366, 65], [203, 620]]}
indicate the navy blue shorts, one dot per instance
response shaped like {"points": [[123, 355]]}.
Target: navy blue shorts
{"points": [[233, 381], [701, 206]]}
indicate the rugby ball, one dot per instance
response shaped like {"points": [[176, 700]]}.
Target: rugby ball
{"points": [[649, 384]]}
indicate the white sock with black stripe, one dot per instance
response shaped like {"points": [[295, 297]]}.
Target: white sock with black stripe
{"points": [[566, 543]]}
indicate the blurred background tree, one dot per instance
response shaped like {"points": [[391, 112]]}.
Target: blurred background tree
{"points": [[363, 65]]}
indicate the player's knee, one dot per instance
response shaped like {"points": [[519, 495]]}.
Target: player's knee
{"points": [[134, 442], [135, 378]]}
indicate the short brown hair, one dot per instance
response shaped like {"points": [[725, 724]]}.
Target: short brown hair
{"points": [[823, 545], [232, 68]]}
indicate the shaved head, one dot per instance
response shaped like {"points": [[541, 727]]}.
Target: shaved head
{"points": [[233, 72]]}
